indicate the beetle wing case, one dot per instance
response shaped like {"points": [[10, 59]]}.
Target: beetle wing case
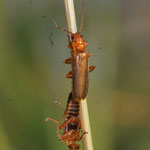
{"points": [[79, 75]]}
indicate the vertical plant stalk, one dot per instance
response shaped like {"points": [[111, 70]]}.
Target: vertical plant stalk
{"points": [[87, 138]]}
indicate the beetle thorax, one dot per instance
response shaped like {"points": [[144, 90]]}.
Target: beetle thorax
{"points": [[78, 44]]}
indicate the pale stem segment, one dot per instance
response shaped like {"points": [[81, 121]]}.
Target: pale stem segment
{"points": [[72, 27]]}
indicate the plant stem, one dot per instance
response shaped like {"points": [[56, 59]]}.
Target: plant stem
{"points": [[70, 14], [87, 138]]}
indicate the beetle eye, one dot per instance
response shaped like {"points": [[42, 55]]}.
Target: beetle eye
{"points": [[72, 37], [70, 147], [81, 35]]}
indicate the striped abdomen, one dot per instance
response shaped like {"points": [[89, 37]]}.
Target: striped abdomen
{"points": [[72, 109]]}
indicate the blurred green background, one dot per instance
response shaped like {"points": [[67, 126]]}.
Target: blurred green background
{"points": [[32, 75]]}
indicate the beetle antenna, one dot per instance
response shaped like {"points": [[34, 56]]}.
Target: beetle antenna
{"points": [[63, 29], [82, 17]]}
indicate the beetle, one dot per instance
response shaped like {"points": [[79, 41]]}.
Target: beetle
{"points": [[79, 61], [71, 126]]}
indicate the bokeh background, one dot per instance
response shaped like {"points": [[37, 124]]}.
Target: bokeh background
{"points": [[32, 75]]}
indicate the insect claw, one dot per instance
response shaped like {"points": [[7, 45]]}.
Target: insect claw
{"points": [[47, 119]]}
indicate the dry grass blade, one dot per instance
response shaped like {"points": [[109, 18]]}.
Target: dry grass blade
{"points": [[72, 27]]}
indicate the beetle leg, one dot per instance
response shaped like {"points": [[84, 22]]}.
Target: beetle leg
{"points": [[62, 118], [70, 46], [69, 75], [82, 135], [89, 54], [59, 103], [91, 68], [58, 125], [66, 123], [67, 61], [69, 136]]}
